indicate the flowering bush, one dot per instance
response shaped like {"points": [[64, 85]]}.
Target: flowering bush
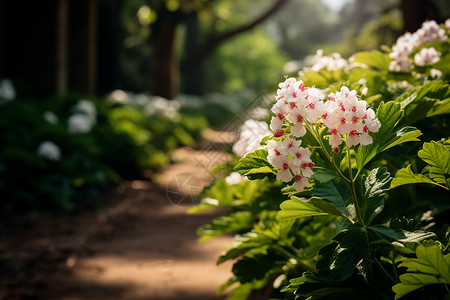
{"points": [[343, 201], [57, 153]]}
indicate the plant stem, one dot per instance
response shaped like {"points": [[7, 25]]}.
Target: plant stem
{"points": [[324, 151], [351, 184], [299, 261], [382, 269]]}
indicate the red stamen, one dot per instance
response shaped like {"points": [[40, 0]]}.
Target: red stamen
{"points": [[279, 133]]}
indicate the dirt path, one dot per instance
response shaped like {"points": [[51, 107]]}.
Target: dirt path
{"points": [[144, 247]]}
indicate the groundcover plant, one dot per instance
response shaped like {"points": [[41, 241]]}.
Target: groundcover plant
{"points": [[349, 195]]}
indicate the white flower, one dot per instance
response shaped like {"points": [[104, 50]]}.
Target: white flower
{"points": [[7, 91], [49, 151], [251, 134], [50, 117], [427, 56], [331, 63], [88, 108], [234, 178], [405, 45], [348, 116], [435, 73], [80, 123], [447, 24], [293, 161]]}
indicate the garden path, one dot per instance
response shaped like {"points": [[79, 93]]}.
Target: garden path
{"points": [[143, 247]]}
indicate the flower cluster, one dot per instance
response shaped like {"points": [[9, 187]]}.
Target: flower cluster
{"points": [[251, 134], [299, 107], [293, 161], [331, 63], [84, 118], [405, 45], [347, 115], [296, 103], [49, 151], [427, 56]]}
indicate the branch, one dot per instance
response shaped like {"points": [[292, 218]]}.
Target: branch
{"points": [[216, 40]]}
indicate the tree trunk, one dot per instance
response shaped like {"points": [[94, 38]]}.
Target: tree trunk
{"points": [[414, 14], [165, 72], [192, 67], [196, 54]]}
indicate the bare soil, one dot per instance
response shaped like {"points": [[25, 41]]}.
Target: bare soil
{"points": [[140, 245]]}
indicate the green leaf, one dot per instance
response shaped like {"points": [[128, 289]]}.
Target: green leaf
{"points": [[430, 267], [438, 157], [256, 267], [335, 192], [406, 176], [436, 172], [374, 59], [324, 175], [389, 115], [424, 101], [298, 208], [243, 244], [352, 249], [226, 224], [243, 291], [370, 193], [255, 165]]}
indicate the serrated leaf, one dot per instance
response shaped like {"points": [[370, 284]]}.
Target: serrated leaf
{"points": [[226, 224], [323, 175], [298, 208], [352, 249], [374, 59], [370, 193], [256, 267], [389, 115], [255, 165], [406, 176], [436, 172], [335, 192], [430, 267], [424, 101]]}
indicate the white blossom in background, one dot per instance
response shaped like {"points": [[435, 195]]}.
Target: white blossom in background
{"points": [[50, 117], [435, 73], [405, 45], [250, 136], [118, 96], [86, 107], [161, 106], [7, 91], [447, 24], [331, 62], [49, 151], [234, 178], [80, 123], [427, 56]]}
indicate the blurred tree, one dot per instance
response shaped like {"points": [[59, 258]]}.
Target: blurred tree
{"points": [[200, 41], [301, 26]]}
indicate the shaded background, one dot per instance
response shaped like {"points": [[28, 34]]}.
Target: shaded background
{"points": [[167, 47]]}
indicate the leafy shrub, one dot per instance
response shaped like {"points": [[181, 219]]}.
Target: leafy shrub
{"points": [[341, 226], [57, 153]]}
